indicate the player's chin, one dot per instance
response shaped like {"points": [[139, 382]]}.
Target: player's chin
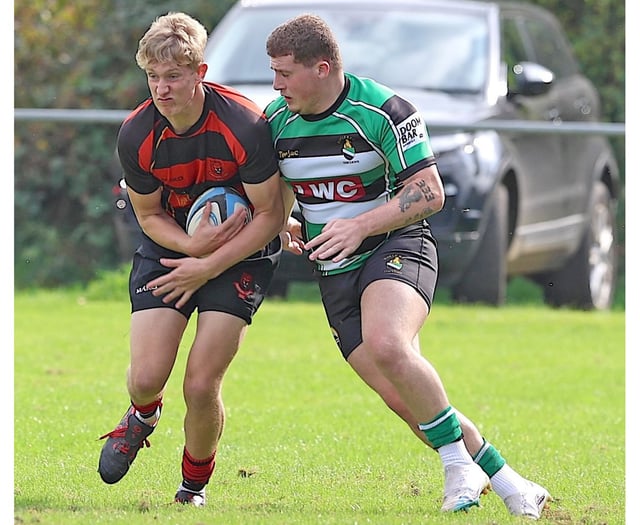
{"points": [[166, 108], [293, 107]]}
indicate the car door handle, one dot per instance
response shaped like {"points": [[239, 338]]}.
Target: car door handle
{"points": [[553, 114], [583, 105]]}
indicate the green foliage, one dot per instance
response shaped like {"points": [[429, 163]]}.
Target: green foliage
{"points": [[305, 441], [63, 203], [81, 55], [68, 55], [109, 285]]}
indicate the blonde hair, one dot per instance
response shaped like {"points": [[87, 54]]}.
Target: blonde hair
{"points": [[174, 37]]}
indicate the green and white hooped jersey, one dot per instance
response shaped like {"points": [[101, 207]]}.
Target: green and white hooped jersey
{"points": [[349, 159]]}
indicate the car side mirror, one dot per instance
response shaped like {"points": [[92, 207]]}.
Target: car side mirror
{"points": [[530, 79]]}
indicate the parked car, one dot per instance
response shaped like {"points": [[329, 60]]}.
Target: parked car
{"points": [[540, 205]]}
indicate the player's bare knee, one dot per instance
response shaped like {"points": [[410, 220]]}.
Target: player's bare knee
{"points": [[144, 387], [200, 392], [387, 352]]}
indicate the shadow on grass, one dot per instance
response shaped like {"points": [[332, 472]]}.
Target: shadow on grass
{"points": [[520, 291]]}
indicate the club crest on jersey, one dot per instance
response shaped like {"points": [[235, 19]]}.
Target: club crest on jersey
{"points": [[348, 150], [393, 264], [215, 170], [412, 131]]}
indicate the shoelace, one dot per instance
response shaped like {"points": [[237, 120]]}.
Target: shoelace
{"points": [[120, 432]]}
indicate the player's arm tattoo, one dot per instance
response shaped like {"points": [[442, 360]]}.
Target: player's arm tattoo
{"points": [[418, 192]]}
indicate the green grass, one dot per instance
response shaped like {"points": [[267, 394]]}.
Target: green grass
{"points": [[547, 387]]}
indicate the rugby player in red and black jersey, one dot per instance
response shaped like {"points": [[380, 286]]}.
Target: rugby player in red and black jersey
{"points": [[188, 136]]}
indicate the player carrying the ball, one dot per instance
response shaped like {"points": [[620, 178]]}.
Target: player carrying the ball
{"points": [[188, 136], [366, 179]]}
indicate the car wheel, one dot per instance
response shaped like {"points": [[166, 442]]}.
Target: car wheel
{"points": [[485, 279], [588, 280]]}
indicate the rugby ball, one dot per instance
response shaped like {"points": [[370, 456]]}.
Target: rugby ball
{"points": [[224, 202]]}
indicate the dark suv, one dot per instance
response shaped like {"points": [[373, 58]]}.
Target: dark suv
{"points": [[540, 205], [536, 204]]}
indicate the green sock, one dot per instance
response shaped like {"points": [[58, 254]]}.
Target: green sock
{"points": [[489, 459], [442, 429]]}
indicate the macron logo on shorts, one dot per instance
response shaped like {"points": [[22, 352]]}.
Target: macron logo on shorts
{"points": [[144, 289]]}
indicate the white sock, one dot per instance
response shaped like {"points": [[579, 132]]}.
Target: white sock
{"points": [[151, 421], [507, 481], [454, 454], [182, 487]]}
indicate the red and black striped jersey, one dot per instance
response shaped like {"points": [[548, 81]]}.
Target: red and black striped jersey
{"points": [[230, 144]]}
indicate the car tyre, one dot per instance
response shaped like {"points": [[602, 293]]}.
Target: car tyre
{"points": [[588, 279], [485, 279]]}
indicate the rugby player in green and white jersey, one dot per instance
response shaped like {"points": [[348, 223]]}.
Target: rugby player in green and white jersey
{"points": [[357, 158], [352, 158]]}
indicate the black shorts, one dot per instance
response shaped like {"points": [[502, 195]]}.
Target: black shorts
{"points": [[238, 291], [409, 255]]}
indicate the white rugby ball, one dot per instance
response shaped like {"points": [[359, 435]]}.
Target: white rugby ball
{"points": [[224, 202]]}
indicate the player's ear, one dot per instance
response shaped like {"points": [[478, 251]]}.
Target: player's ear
{"points": [[323, 68], [202, 71]]}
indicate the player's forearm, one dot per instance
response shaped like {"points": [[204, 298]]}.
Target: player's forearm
{"points": [[420, 197], [164, 231], [263, 228]]}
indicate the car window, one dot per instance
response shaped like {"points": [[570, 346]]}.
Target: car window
{"points": [[513, 50], [442, 50], [236, 54], [429, 50], [549, 48]]}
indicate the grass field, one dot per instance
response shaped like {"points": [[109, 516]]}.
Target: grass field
{"points": [[307, 443]]}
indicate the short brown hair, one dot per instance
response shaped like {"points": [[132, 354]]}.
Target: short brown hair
{"points": [[308, 38], [174, 37]]}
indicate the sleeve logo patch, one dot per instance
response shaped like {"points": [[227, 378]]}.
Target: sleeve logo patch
{"points": [[412, 131]]}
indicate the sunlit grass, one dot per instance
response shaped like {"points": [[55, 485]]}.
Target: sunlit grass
{"points": [[305, 441]]}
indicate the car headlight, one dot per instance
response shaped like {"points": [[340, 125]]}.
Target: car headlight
{"points": [[466, 159]]}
